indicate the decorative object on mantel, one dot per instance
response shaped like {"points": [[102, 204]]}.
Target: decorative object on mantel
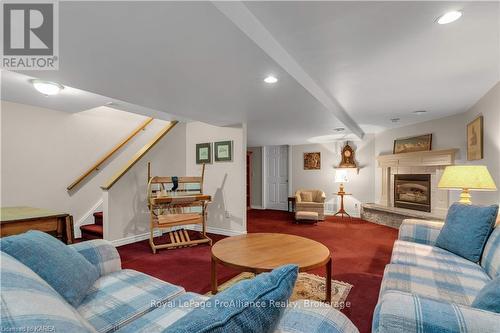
{"points": [[203, 153], [413, 144], [347, 157], [475, 139], [312, 161], [466, 178], [341, 177], [223, 151]]}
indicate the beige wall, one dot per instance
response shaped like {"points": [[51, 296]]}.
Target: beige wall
{"points": [[225, 181], [450, 132], [360, 185], [256, 188], [125, 205], [43, 151]]}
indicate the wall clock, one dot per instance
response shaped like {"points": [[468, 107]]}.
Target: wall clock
{"points": [[347, 157]]}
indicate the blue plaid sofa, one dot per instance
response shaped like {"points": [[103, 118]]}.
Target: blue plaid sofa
{"points": [[428, 289], [124, 300]]}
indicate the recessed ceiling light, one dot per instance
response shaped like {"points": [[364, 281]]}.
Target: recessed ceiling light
{"points": [[449, 17], [395, 120], [47, 87], [339, 129], [420, 112], [271, 79]]}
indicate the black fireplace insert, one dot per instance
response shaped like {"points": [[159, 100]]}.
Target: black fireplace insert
{"points": [[413, 191]]}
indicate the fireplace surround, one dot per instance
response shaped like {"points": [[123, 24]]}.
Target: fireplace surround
{"points": [[412, 191]]}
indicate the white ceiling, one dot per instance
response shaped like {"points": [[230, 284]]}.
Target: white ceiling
{"points": [[190, 60]]}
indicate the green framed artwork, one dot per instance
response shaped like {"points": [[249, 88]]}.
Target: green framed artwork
{"points": [[223, 151], [203, 153]]}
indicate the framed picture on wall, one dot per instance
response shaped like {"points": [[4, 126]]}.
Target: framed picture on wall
{"points": [[203, 153], [413, 144], [475, 139], [223, 151], [312, 161]]}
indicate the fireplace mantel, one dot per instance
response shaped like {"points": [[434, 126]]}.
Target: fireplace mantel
{"points": [[425, 162], [418, 159]]}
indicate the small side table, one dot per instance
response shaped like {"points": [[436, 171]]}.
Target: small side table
{"points": [[342, 211], [291, 204]]}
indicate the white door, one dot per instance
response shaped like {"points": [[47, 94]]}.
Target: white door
{"points": [[277, 177]]}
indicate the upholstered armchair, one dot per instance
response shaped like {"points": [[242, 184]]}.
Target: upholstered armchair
{"points": [[310, 201]]}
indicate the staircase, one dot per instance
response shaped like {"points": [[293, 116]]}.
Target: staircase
{"points": [[93, 231]]}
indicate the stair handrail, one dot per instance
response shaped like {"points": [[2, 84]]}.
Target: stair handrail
{"points": [[103, 159], [138, 155]]}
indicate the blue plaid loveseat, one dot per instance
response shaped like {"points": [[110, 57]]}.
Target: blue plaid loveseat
{"points": [[124, 300], [428, 289]]}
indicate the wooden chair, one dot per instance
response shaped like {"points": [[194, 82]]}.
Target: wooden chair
{"points": [[174, 202]]}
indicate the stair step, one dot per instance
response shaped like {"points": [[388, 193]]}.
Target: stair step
{"points": [[98, 217], [91, 231]]}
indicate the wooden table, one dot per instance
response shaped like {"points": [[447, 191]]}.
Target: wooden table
{"points": [[342, 211], [291, 202], [262, 252], [16, 220]]}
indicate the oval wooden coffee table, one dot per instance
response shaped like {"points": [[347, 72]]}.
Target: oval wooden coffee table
{"points": [[262, 252]]}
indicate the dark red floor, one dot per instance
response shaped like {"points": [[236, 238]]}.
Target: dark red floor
{"points": [[360, 251]]}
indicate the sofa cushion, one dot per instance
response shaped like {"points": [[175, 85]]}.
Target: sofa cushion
{"points": [[29, 302], [67, 271], [249, 306], [399, 312], [100, 253], [118, 298], [490, 260], [489, 297], [165, 314], [314, 317], [448, 286], [426, 256], [467, 229], [306, 196]]}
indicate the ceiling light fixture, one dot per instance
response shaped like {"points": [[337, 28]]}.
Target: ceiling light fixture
{"points": [[420, 112], [271, 79], [339, 129], [449, 17], [46, 87], [395, 120]]}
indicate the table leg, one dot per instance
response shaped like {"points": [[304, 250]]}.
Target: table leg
{"points": [[329, 281], [214, 276]]}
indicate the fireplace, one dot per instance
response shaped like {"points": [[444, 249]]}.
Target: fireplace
{"points": [[412, 191]]}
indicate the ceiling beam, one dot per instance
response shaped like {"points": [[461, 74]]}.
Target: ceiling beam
{"points": [[241, 16]]}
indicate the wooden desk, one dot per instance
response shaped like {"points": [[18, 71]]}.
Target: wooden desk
{"points": [[263, 252], [16, 220]]}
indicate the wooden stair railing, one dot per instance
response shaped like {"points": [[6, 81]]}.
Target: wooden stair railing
{"points": [[138, 155], [103, 159]]}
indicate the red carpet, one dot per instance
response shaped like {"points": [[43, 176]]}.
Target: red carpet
{"points": [[360, 251]]}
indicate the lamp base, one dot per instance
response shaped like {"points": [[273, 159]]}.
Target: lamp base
{"points": [[341, 188], [465, 197]]}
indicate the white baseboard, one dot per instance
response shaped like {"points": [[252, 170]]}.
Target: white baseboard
{"points": [[256, 207], [87, 218], [133, 239]]}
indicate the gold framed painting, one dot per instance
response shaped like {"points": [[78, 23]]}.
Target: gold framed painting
{"points": [[413, 144], [475, 139], [312, 161]]}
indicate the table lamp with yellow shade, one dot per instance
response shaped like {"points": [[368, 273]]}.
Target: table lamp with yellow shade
{"points": [[467, 178]]}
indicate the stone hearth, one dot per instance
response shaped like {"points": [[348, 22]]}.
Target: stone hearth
{"points": [[393, 216]]}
